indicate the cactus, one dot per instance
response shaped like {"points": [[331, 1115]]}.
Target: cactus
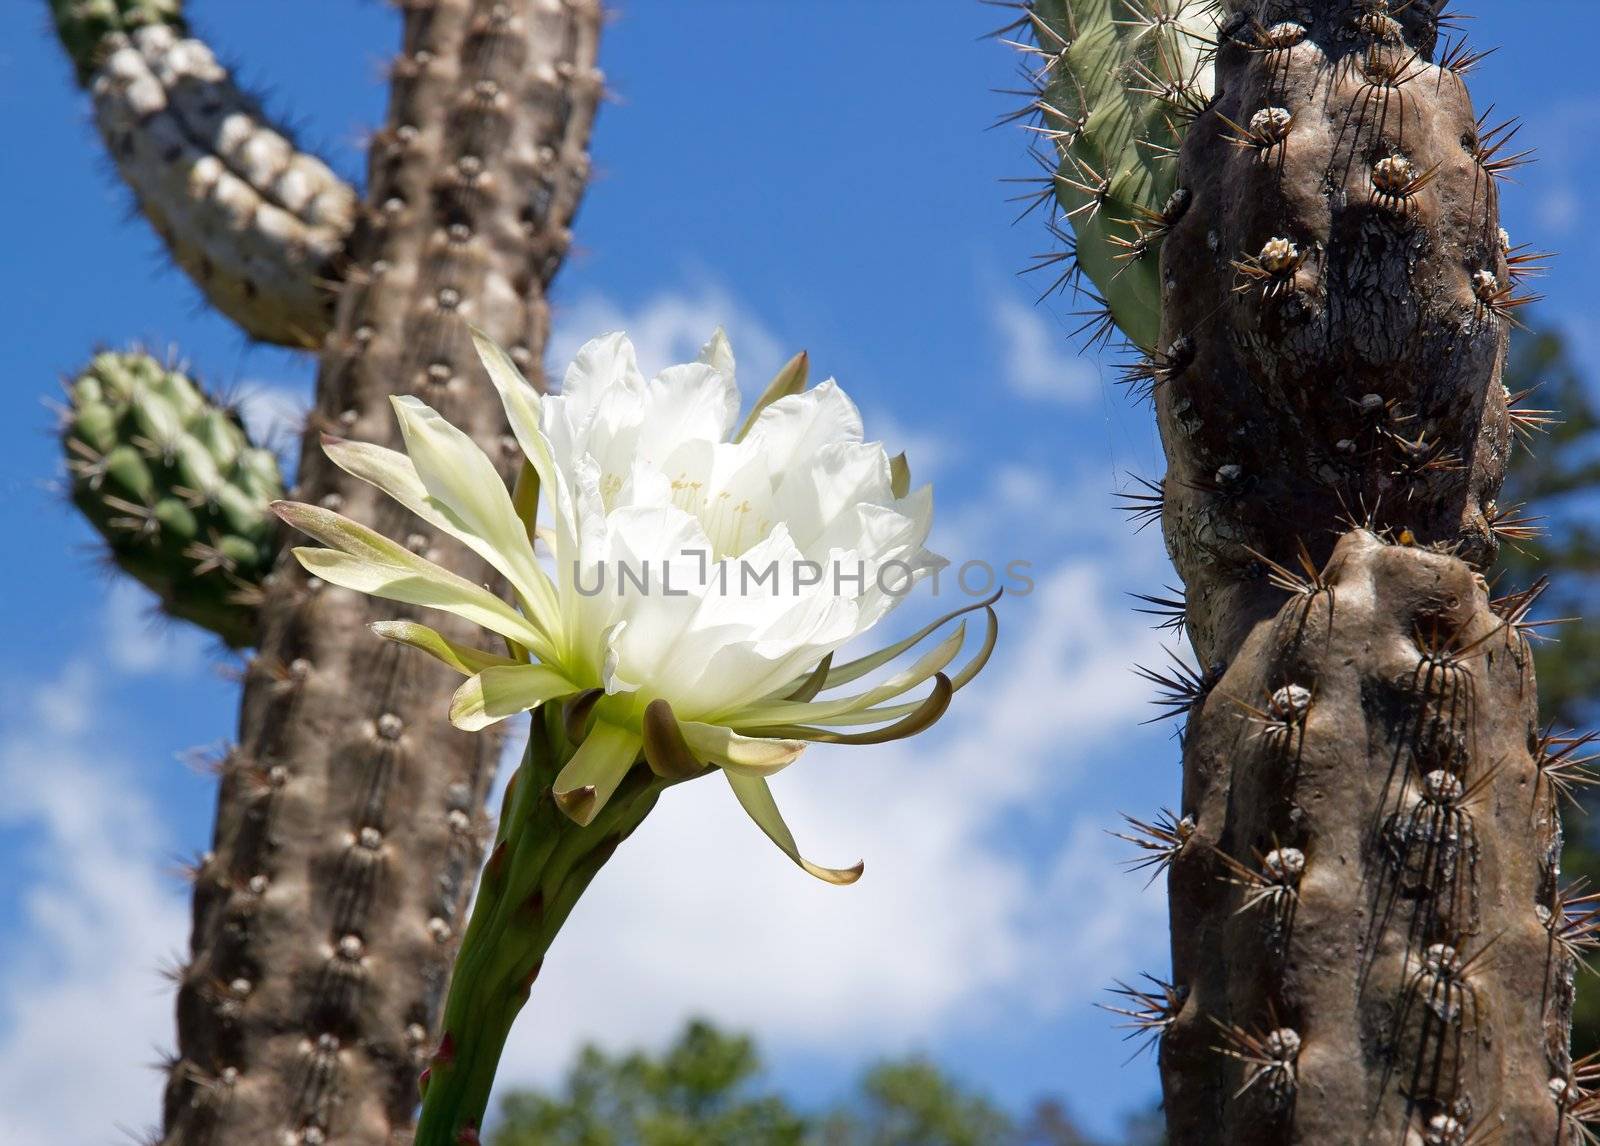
{"points": [[1336, 297], [1119, 81], [169, 478], [350, 820], [259, 225]]}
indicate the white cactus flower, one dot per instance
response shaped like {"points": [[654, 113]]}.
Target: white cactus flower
{"points": [[699, 579]]}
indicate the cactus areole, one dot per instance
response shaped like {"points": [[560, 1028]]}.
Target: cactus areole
{"points": [[701, 580], [1370, 940]]}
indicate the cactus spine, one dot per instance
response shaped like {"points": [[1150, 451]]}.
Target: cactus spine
{"points": [[1335, 302], [169, 478], [349, 820], [259, 225]]}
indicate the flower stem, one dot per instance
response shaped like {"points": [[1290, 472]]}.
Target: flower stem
{"points": [[542, 862]]}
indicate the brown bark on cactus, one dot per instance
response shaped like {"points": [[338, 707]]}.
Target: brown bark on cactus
{"points": [[349, 817], [1335, 317]]}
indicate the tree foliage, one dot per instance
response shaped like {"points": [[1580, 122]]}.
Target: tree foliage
{"points": [[707, 1089]]}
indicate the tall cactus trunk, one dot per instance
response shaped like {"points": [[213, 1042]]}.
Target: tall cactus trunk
{"points": [[349, 821], [1290, 209], [1362, 918]]}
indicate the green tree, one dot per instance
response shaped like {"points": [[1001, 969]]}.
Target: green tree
{"points": [[705, 1089], [1557, 476], [702, 1091]]}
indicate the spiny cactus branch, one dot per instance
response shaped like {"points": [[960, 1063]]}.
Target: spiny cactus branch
{"points": [[169, 478], [1370, 940], [259, 225], [350, 819]]}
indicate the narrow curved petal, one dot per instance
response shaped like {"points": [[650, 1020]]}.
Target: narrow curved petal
{"points": [[590, 778], [464, 483], [929, 664], [394, 473], [462, 658], [920, 717], [665, 749], [756, 798], [861, 666], [368, 562], [734, 752], [500, 691]]}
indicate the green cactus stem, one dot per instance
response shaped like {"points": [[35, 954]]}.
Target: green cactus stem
{"points": [[169, 478], [541, 863], [1118, 82], [257, 223]]}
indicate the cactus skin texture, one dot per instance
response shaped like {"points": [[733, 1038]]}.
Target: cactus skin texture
{"points": [[259, 225], [1404, 776], [170, 479], [350, 818], [1342, 259], [1123, 80], [1335, 303]]}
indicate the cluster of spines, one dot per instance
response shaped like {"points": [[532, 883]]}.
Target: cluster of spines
{"points": [[169, 478]]}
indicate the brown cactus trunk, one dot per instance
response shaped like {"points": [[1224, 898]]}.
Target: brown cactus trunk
{"points": [[349, 819], [1365, 920]]}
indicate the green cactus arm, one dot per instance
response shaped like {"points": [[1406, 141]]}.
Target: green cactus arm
{"points": [[259, 225], [87, 27], [1117, 82], [172, 483]]}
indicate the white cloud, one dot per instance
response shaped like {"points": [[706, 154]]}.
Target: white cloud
{"points": [[670, 328], [1037, 363], [82, 1006]]}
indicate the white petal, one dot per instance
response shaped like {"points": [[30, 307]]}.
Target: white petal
{"points": [[797, 426], [687, 403], [395, 474], [717, 353], [601, 364]]}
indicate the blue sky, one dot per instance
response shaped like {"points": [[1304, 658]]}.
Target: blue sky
{"points": [[813, 175]]}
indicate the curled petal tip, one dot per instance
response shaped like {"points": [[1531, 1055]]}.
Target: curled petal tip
{"points": [[579, 804], [665, 749]]}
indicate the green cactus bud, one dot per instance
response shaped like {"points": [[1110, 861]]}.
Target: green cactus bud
{"points": [[169, 477], [83, 25], [1118, 82]]}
